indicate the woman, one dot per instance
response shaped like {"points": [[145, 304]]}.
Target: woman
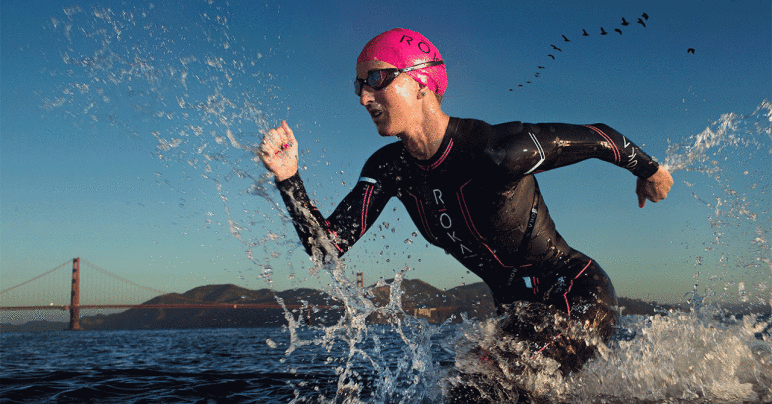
{"points": [[470, 189]]}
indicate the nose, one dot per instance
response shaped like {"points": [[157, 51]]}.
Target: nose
{"points": [[367, 95]]}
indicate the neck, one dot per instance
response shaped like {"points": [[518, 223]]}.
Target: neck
{"points": [[425, 139]]}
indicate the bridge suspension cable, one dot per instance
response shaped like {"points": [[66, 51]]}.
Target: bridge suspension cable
{"points": [[35, 278], [122, 279]]}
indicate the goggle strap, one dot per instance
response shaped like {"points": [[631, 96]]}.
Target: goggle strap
{"points": [[422, 65]]}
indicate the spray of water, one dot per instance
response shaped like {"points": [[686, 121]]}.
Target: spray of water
{"points": [[732, 157]]}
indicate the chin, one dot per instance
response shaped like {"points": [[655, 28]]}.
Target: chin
{"points": [[384, 131]]}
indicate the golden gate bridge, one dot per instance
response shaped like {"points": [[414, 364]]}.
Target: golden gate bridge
{"points": [[75, 305]]}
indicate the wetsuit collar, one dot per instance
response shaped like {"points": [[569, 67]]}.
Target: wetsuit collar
{"points": [[444, 149]]}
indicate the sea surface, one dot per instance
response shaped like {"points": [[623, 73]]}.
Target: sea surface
{"points": [[168, 366], [680, 357], [243, 365]]}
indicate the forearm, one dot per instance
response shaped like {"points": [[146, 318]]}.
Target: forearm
{"points": [[311, 226], [335, 235], [619, 150]]}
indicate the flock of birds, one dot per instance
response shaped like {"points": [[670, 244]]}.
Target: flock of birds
{"points": [[641, 20]]}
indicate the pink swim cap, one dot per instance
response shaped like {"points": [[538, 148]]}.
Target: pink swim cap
{"points": [[403, 48]]}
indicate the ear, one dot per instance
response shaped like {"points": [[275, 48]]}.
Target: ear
{"points": [[423, 91]]}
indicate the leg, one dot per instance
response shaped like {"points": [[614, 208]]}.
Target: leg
{"points": [[574, 310]]}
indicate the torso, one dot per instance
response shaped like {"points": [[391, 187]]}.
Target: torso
{"points": [[464, 203]]}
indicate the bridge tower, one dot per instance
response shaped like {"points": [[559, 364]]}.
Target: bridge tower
{"points": [[360, 280], [75, 296]]}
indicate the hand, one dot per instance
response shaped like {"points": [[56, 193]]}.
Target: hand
{"points": [[279, 152], [654, 188]]}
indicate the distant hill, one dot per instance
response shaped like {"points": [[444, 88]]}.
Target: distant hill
{"points": [[418, 299], [421, 299], [215, 318]]}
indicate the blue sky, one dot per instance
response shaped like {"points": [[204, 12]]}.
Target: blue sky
{"points": [[88, 88]]}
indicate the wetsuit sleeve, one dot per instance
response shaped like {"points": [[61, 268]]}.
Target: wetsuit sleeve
{"points": [[334, 235], [524, 148]]}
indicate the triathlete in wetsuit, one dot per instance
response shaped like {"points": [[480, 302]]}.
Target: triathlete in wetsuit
{"points": [[477, 199], [470, 189]]}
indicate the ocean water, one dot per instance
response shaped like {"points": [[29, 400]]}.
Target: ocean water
{"points": [[684, 358], [181, 366], [220, 365]]}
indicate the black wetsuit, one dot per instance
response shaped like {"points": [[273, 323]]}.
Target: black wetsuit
{"points": [[477, 198]]}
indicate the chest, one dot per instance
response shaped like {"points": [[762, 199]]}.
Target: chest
{"points": [[452, 203]]}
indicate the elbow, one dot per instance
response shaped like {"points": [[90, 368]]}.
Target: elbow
{"points": [[323, 249]]}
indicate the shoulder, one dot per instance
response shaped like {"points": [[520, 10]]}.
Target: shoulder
{"points": [[385, 160], [472, 134], [493, 141], [486, 135], [466, 127]]}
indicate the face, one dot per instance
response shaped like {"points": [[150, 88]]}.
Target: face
{"points": [[395, 108]]}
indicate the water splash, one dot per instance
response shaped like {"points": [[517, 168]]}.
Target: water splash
{"points": [[199, 97], [731, 159]]}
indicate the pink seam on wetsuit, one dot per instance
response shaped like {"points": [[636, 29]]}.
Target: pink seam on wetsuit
{"points": [[617, 154], [421, 213], [365, 206], [568, 306], [497, 257], [470, 224], [442, 158], [335, 236], [565, 295], [465, 213]]}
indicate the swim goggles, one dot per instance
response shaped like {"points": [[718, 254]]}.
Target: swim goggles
{"points": [[380, 78]]}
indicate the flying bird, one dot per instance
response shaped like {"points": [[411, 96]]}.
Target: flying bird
{"points": [[618, 30], [603, 31], [566, 39], [556, 48], [584, 33], [645, 16], [624, 22], [690, 50], [640, 21], [552, 56]]}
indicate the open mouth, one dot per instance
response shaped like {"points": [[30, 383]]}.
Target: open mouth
{"points": [[375, 113]]}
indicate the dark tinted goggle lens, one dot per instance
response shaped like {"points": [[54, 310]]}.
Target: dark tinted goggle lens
{"points": [[376, 79]]}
